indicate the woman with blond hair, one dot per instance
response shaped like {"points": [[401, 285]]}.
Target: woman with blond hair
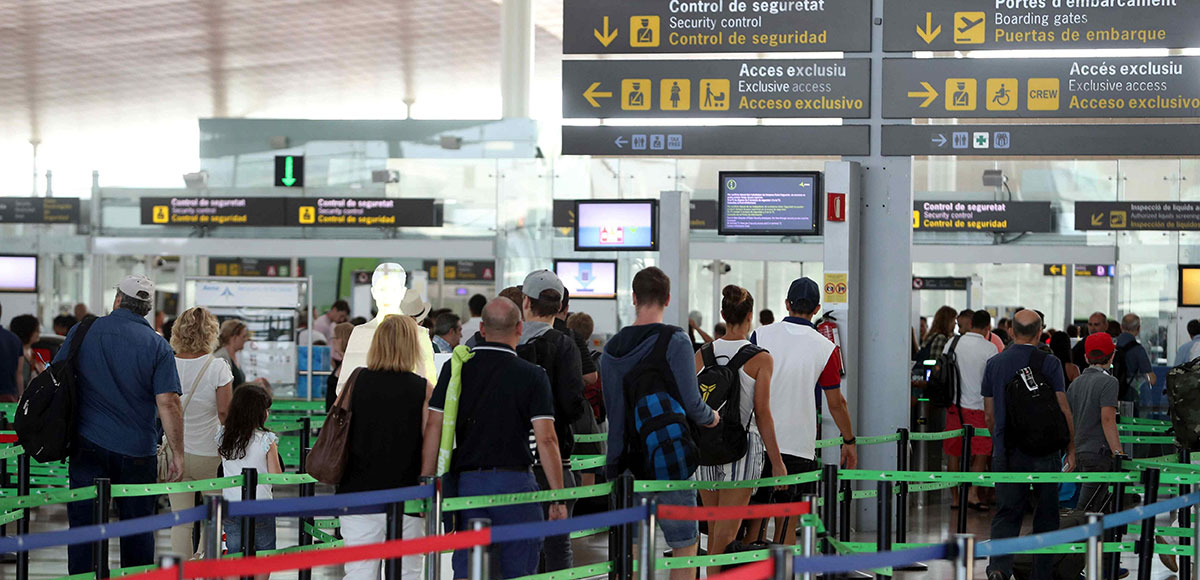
{"points": [[388, 401], [207, 384]]}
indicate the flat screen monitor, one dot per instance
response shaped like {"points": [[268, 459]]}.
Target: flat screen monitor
{"points": [[769, 203], [616, 225], [590, 279], [1189, 286], [18, 273]]}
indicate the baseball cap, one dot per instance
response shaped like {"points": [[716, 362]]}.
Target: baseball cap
{"points": [[804, 289], [137, 286], [1098, 346], [539, 281]]}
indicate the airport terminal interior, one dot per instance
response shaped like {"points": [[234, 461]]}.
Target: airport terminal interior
{"points": [[889, 230]]}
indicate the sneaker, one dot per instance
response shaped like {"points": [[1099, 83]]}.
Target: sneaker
{"points": [[1168, 560]]}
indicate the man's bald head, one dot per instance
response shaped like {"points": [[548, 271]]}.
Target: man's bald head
{"points": [[1027, 325], [1097, 322], [501, 322]]}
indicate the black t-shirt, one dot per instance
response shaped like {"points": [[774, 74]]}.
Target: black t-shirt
{"points": [[385, 431], [566, 384], [501, 396]]}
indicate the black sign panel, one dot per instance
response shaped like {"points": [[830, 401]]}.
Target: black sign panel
{"points": [[39, 210], [1081, 270], [1130, 87], [1174, 216], [463, 270], [716, 88], [703, 214], [940, 283], [213, 211], [982, 216], [289, 171], [688, 26], [1028, 24], [364, 212], [608, 141], [257, 267], [1035, 140]]}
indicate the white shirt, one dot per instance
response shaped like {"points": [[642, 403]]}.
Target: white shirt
{"points": [[323, 325], [256, 457], [470, 327], [973, 352], [800, 354], [724, 351], [302, 337], [200, 420]]}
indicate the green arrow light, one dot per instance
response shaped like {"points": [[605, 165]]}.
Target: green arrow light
{"points": [[288, 171]]}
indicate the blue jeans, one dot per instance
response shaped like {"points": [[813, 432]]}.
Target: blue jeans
{"points": [[679, 534], [89, 462], [1011, 499], [516, 558], [264, 534]]}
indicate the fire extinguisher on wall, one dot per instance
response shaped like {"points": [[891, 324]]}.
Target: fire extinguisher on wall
{"points": [[828, 327]]}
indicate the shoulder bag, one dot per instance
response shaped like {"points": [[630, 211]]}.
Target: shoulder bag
{"points": [[327, 460], [165, 454]]}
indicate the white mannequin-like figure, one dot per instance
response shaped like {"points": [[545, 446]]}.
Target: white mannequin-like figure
{"points": [[388, 289]]}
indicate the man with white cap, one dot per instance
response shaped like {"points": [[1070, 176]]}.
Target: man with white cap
{"points": [[127, 375]]}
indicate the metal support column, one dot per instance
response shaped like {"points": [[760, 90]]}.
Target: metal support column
{"points": [[646, 558], [516, 57]]}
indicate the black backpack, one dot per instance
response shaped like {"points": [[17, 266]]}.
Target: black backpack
{"points": [[721, 389], [49, 407], [659, 443], [1035, 423], [1121, 370], [944, 387], [541, 351]]}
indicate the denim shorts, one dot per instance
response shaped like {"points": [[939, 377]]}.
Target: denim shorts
{"points": [[679, 534], [264, 534]]}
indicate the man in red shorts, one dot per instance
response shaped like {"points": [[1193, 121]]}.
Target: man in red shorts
{"points": [[973, 350]]}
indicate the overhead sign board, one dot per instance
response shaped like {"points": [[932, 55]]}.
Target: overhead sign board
{"points": [[608, 141], [717, 88], [254, 267], [1136, 87], [39, 210], [289, 171], [463, 270], [921, 283], [364, 212], [1137, 216], [982, 216], [1041, 140], [690, 26], [213, 211], [1081, 270], [1039, 24]]}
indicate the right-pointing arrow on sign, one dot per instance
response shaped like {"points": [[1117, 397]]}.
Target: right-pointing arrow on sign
{"points": [[929, 94], [940, 140]]}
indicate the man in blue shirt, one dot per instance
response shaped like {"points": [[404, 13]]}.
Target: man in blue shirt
{"points": [[126, 373], [1183, 355], [1012, 498], [1136, 365], [11, 351]]}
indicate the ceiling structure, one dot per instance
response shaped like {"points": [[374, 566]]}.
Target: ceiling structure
{"points": [[116, 80]]}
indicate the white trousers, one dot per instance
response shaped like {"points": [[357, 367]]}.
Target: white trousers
{"points": [[372, 529]]}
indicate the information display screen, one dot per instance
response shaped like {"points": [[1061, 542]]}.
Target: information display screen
{"points": [[1189, 285], [594, 279], [630, 225], [18, 273], [769, 203]]}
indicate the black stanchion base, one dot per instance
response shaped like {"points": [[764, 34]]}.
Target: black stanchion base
{"points": [[917, 567]]}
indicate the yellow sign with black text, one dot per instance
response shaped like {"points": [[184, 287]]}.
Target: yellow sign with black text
{"points": [[836, 288]]}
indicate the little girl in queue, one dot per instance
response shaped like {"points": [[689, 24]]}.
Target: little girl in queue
{"points": [[245, 442]]}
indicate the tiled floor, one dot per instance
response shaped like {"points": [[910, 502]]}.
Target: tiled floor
{"points": [[930, 517]]}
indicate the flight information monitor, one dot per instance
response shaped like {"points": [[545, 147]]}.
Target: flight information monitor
{"points": [[591, 279], [630, 225], [769, 203], [1189, 286], [18, 273]]}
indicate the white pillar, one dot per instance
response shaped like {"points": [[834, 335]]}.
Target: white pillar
{"points": [[516, 56], [674, 236]]}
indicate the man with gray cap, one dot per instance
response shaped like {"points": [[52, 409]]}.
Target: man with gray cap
{"points": [[126, 375], [557, 353]]}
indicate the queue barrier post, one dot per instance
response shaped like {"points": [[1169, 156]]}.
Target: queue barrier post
{"points": [[100, 515], [829, 511], [844, 508], [883, 520], [1146, 541], [1185, 521], [902, 498], [1196, 534], [646, 559], [620, 538], [395, 523], [249, 493], [23, 523], [784, 562], [1092, 562], [172, 562], [964, 488], [477, 564], [808, 542], [964, 558], [306, 490], [433, 522], [216, 524], [1115, 534]]}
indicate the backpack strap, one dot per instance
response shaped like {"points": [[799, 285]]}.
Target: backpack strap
{"points": [[1037, 362], [708, 356], [953, 344], [664, 340], [77, 342], [744, 355]]}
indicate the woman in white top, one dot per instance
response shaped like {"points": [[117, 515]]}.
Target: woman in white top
{"points": [[206, 382], [737, 308]]}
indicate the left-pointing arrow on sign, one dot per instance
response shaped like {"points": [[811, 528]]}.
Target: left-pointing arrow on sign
{"points": [[620, 142], [591, 94]]}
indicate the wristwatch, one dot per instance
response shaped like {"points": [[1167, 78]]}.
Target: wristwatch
{"points": [[850, 441]]}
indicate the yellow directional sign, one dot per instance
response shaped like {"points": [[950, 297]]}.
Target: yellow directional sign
{"points": [[961, 94], [635, 94], [592, 93], [675, 94], [308, 214], [930, 94], [162, 214], [1043, 94], [929, 33], [1098, 219], [644, 31], [607, 36], [969, 28], [1002, 94]]}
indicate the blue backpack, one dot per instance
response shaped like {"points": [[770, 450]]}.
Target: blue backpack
{"points": [[659, 442]]}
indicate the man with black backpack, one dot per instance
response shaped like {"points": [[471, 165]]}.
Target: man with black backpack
{"points": [[1031, 425], [653, 400], [968, 356], [1131, 362], [558, 355]]}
